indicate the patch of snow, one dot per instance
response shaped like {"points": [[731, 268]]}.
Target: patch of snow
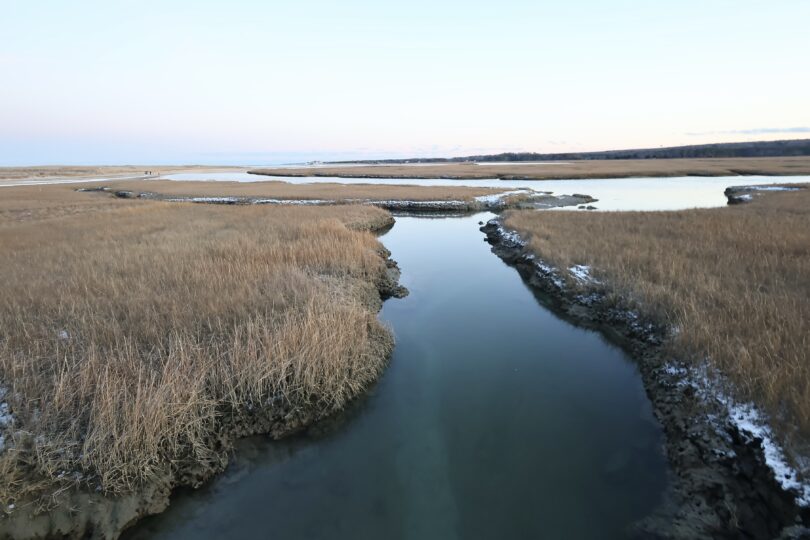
{"points": [[5, 415], [510, 237], [214, 199], [513, 239], [6, 418], [405, 204], [497, 198], [745, 197], [302, 202], [589, 299], [751, 422], [676, 371], [772, 188], [63, 335], [582, 273], [550, 273]]}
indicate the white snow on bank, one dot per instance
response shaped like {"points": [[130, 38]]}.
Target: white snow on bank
{"points": [[582, 273], [772, 188], [405, 204], [210, 200], [392, 204], [550, 273], [746, 417], [6, 418], [750, 421], [513, 238], [744, 197], [497, 198], [303, 202], [214, 199], [510, 236]]}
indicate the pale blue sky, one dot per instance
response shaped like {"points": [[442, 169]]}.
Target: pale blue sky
{"points": [[255, 82]]}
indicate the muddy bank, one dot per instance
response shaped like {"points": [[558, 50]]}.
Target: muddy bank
{"points": [[86, 512], [721, 484], [522, 198], [746, 194]]}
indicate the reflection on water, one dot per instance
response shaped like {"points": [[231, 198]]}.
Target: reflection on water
{"points": [[613, 194], [495, 419]]}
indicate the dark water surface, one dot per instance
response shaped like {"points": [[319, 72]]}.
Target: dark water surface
{"points": [[495, 419]]}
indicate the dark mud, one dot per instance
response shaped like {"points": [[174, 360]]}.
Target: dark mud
{"points": [[746, 194], [721, 486]]}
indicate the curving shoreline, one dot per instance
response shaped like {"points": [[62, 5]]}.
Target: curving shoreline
{"points": [[721, 483], [87, 512], [568, 170]]}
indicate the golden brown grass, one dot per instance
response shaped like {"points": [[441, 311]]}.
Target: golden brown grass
{"points": [[63, 171], [735, 281], [612, 168], [283, 190], [136, 341], [50, 203]]}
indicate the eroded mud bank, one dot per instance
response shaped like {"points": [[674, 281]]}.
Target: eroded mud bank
{"points": [[722, 485]]}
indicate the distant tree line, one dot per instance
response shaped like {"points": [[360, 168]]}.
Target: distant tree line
{"points": [[718, 150]]}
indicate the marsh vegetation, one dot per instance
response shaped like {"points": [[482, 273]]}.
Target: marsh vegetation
{"points": [[139, 338], [734, 282], [608, 168]]}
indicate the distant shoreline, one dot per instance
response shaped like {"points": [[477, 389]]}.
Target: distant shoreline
{"points": [[569, 170], [69, 172], [748, 149]]}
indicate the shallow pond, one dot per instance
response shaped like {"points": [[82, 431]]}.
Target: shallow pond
{"points": [[494, 419], [613, 194]]}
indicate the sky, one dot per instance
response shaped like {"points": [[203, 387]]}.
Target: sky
{"points": [[260, 82]]}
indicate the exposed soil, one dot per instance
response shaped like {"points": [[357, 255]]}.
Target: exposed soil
{"points": [[721, 486], [746, 194]]}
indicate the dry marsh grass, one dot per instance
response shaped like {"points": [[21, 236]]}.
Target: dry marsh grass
{"points": [[49, 203], [735, 281], [136, 342], [608, 168], [284, 190], [63, 171]]}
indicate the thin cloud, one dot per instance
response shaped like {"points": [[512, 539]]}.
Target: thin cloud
{"points": [[755, 131]]}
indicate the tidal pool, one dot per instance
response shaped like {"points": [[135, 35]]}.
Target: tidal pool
{"points": [[494, 419]]}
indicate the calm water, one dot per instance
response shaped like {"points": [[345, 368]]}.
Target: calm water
{"points": [[495, 419], [613, 194]]}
